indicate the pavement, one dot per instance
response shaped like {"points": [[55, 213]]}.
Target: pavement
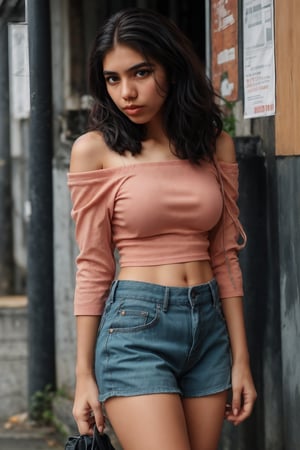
{"points": [[18, 433], [17, 444]]}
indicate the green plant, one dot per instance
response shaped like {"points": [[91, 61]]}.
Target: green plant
{"points": [[41, 406], [229, 119]]}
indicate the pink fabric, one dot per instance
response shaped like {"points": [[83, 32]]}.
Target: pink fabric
{"points": [[154, 213]]}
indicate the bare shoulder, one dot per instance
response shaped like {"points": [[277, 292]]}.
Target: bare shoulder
{"points": [[88, 152], [225, 150]]}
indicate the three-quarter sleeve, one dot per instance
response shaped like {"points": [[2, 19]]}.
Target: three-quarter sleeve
{"points": [[91, 212], [224, 237]]}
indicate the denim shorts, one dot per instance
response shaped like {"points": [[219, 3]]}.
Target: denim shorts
{"points": [[160, 339]]}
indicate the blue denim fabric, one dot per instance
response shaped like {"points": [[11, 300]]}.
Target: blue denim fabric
{"points": [[160, 339]]}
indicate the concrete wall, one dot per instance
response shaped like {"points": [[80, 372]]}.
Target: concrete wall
{"points": [[64, 245], [13, 356], [64, 270], [20, 196]]}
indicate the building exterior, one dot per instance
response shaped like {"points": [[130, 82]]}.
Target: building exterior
{"points": [[268, 152]]}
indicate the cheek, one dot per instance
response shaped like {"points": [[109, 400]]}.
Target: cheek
{"points": [[162, 85], [160, 98], [111, 93], [160, 94], [114, 96]]}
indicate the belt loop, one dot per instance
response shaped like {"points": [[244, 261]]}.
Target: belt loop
{"points": [[166, 300], [113, 288]]}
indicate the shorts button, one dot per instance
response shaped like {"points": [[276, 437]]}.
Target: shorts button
{"points": [[111, 330]]}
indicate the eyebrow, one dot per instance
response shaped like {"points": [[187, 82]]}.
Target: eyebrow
{"points": [[130, 69]]}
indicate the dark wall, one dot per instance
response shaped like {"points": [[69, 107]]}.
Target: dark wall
{"points": [[260, 266], [288, 170], [252, 201], [270, 211], [272, 351], [190, 17]]}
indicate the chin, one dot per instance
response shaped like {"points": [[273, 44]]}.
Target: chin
{"points": [[138, 120]]}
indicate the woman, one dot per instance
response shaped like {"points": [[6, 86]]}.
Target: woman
{"points": [[156, 178]]}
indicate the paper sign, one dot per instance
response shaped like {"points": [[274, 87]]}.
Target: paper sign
{"points": [[259, 60]]}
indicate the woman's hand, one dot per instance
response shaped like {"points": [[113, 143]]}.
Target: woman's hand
{"points": [[243, 394], [87, 409], [243, 390]]}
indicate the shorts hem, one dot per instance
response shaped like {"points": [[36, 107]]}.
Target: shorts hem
{"points": [[206, 392], [203, 393], [120, 393]]}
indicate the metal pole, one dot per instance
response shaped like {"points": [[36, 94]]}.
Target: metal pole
{"points": [[41, 364], [6, 234]]}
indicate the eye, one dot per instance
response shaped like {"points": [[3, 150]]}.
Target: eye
{"points": [[111, 79], [143, 73]]}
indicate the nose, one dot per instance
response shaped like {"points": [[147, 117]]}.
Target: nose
{"points": [[129, 91]]}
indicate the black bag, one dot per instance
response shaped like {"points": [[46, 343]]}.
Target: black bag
{"points": [[84, 442]]}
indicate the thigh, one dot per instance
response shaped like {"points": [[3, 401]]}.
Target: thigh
{"points": [[204, 418], [149, 422]]}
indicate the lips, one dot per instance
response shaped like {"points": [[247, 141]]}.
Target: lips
{"points": [[133, 109]]}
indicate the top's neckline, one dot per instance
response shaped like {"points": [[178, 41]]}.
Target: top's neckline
{"points": [[108, 170], [134, 165]]}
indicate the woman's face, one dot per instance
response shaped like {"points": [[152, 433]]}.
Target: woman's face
{"points": [[137, 86]]}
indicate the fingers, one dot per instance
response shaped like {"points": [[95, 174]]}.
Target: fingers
{"points": [[237, 413], [84, 426], [243, 394], [87, 418], [236, 401], [240, 416], [84, 422], [99, 418], [87, 409]]}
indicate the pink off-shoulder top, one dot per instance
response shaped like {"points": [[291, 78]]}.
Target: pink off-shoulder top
{"points": [[154, 213]]}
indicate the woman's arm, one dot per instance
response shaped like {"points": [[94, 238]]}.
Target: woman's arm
{"points": [[86, 156], [243, 390], [87, 408]]}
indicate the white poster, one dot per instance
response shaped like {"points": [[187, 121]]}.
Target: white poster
{"points": [[19, 71], [259, 60]]}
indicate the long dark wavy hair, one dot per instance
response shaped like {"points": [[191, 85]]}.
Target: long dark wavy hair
{"points": [[191, 117]]}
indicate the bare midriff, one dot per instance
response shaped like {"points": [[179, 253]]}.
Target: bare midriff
{"points": [[180, 274]]}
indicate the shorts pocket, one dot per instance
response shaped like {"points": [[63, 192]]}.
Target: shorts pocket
{"points": [[133, 315]]}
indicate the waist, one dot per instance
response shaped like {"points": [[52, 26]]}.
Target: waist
{"points": [[155, 293], [183, 274]]}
